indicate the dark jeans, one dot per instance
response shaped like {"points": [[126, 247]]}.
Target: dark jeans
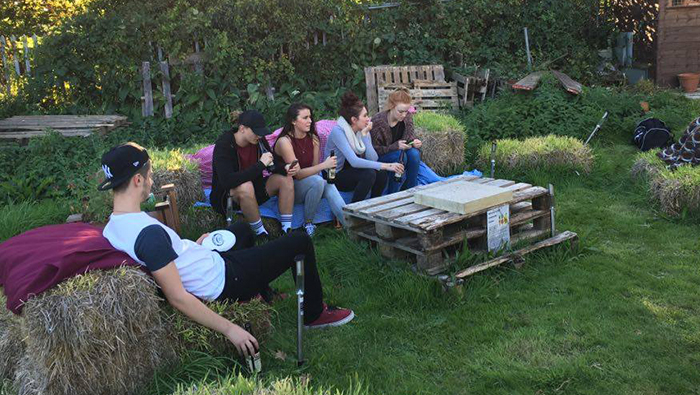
{"points": [[361, 181], [250, 269]]}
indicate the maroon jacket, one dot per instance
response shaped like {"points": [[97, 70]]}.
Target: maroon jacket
{"points": [[41, 258], [381, 132]]}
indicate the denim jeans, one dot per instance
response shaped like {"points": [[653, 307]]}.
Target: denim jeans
{"points": [[311, 189], [411, 162]]}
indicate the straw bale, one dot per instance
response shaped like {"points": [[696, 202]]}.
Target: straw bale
{"points": [[99, 333], [11, 342], [552, 152], [192, 336], [674, 196], [188, 184], [442, 151]]}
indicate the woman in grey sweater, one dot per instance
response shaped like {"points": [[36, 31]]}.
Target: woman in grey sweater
{"points": [[358, 169]]}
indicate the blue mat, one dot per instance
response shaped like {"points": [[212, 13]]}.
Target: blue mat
{"points": [[269, 209]]}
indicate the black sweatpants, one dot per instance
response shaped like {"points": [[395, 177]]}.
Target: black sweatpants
{"points": [[361, 181], [249, 269]]}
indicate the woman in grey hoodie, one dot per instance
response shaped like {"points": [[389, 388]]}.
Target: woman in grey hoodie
{"points": [[357, 167]]}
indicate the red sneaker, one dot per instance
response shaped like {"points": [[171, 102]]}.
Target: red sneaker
{"points": [[331, 316]]}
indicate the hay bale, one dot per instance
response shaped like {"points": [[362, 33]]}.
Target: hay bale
{"points": [[677, 192], [192, 336], [551, 152], [11, 340], [172, 167], [443, 140], [99, 333]]}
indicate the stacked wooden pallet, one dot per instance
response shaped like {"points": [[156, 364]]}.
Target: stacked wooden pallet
{"points": [[28, 126], [427, 95], [402, 228]]}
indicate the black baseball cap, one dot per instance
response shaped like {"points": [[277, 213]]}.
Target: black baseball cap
{"points": [[254, 120], [121, 163]]}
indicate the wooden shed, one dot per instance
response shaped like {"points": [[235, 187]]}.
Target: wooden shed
{"points": [[678, 40]]}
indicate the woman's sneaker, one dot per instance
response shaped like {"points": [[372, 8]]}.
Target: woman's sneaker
{"points": [[331, 316]]}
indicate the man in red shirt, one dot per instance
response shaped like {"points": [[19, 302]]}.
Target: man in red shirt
{"points": [[246, 169]]}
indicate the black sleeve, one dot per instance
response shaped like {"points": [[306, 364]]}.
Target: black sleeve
{"points": [[154, 247], [228, 171]]}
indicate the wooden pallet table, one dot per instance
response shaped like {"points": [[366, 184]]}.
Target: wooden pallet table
{"points": [[403, 229], [28, 126]]}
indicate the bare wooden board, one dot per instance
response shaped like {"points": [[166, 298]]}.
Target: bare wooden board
{"points": [[463, 197], [569, 84], [529, 82]]}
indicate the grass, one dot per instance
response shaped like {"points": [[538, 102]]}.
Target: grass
{"points": [[553, 153], [620, 316], [436, 122]]}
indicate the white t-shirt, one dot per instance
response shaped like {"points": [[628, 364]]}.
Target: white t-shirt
{"points": [[154, 245]]}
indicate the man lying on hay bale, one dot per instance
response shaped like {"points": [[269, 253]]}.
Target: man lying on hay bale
{"points": [[188, 271]]}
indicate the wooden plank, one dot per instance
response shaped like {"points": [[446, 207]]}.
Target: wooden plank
{"points": [[569, 84], [519, 186], [408, 218], [165, 70], [356, 207], [371, 82], [450, 218], [147, 103], [27, 66], [25, 135], [558, 239], [526, 216], [401, 211], [13, 43], [8, 81], [439, 73], [54, 126], [463, 197], [529, 82]]}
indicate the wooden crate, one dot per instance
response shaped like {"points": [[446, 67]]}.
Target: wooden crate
{"points": [[403, 229], [427, 95], [377, 76]]}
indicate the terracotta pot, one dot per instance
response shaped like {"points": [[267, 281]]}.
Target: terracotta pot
{"points": [[689, 82]]}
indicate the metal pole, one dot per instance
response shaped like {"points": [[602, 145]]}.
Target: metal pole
{"points": [[597, 127], [493, 159], [551, 208], [299, 259], [527, 49]]}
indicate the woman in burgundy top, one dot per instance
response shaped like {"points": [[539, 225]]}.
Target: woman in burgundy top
{"points": [[299, 141]]}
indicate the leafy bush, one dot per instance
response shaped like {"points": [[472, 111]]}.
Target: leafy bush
{"points": [[90, 62], [553, 153], [550, 110]]}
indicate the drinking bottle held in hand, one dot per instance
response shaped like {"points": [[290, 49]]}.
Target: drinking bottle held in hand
{"points": [[397, 175], [263, 150], [252, 361], [331, 171]]}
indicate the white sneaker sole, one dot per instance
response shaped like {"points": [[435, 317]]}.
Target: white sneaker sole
{"points": [[337, 323]]}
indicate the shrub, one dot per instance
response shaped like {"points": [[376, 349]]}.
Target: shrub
{"points": [[676, 192], [549, 152], [550, 110]]}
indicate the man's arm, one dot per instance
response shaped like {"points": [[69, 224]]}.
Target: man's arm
{"points": [[228, 173], [169, 280]]}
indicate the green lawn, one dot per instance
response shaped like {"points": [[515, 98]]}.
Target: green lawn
{"points": [[620, 315]]}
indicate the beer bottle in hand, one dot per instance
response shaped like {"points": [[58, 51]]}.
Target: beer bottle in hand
{"points": [[331, 171], [397, 175], [263, 150]]}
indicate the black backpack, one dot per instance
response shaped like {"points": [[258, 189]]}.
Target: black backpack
{"points": [[651, 133]]}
